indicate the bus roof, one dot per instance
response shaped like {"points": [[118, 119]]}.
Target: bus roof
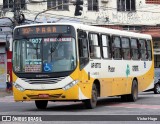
{"points": [[96, 29]]}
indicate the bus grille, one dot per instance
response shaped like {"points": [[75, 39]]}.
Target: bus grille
{"points": [[43, 81], [52, 96]]}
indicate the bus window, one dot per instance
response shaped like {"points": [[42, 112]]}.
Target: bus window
{"points": [[116, 48], [106, 46], [149, 50], [126, 48], [32, 51], [134, 48], [143, 49], [94, 46]]}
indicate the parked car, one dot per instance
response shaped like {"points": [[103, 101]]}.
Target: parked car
{"points": [[156, 81], [156, 88]]}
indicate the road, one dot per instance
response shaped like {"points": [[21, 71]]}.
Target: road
{"points": [[112, 108]]}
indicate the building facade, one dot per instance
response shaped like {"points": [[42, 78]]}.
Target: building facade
{"points": [[134, 15], [100, 12], [6, 28]]}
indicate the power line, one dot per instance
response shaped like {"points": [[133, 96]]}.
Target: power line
{"points": [[108, 8], [49, 10], [100, 7], [70, 19]]}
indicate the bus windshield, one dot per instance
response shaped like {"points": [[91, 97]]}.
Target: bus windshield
{"points": [[44, 55]]}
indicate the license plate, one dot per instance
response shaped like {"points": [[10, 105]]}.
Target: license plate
{"points": [[43, 95]]}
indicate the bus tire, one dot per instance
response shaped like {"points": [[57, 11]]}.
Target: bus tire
{"points": [[91, 103], [41, 104], [134, 92], [157, 88]]}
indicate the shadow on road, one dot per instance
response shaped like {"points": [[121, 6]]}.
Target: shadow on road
{"points": [[79, 106]]}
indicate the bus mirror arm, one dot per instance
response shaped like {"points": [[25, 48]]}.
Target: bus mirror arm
{"points": [[81, 33], [7, 45]]}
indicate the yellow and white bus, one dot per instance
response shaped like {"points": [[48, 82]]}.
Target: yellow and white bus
{"points": [[76, 62]]}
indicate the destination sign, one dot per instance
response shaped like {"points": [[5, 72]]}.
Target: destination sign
{"points": [[46, 29]]}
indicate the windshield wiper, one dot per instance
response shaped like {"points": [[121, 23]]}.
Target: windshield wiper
{"points": [[57, 43]]}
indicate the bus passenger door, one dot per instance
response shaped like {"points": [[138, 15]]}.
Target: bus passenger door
{"points": [[83, 61], [83, 49]]}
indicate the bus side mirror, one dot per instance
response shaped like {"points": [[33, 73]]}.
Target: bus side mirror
{"points": [[7, 45], [82, 34]]}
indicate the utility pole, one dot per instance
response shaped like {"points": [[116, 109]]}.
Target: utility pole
{"points": [[16, 10], [18, 16]]}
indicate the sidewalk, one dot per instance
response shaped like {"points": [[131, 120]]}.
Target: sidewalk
{"points": [[3, 93]]}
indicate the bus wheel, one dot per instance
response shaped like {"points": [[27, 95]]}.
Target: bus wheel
{"points": [[41, 104], [91, 103], [134, 92], [157, 88]]}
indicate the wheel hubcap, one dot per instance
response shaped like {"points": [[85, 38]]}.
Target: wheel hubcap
{"points": [[158, 88], [135, 93], [94, 96]]}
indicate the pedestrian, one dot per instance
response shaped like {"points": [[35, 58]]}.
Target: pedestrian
{"points": [[8, 83]]}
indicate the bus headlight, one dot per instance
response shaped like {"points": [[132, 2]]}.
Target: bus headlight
{"points": [[70, 85], [18, 87]]}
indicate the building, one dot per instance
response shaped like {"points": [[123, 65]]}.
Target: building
{"points": [[134, 15], [5, 52]]}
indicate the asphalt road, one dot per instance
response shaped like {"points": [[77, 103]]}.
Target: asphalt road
{"points": [[112, 109]]}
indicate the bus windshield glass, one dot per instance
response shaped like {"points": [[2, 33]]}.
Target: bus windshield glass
{"points": [[44, 55]]}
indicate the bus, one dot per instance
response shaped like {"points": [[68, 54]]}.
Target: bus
{"points": [[76, 62]]}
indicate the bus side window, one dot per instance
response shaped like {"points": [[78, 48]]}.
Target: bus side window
{"points": [[83, 52], [143, 49], [126, 48], [106, 46], [134, 49], [149, 50], [94, 46], [116, 47]]}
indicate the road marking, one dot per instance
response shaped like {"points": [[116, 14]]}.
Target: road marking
{"points": [[140, 106]]}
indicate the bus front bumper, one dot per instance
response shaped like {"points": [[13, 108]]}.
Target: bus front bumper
{"points": [[74, 93]]}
